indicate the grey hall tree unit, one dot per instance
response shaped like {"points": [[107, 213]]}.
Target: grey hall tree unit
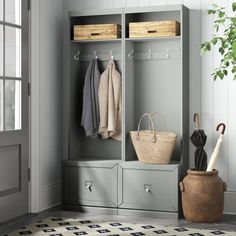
{"points": [[105, 175]]}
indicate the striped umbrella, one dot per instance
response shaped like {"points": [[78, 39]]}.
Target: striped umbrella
{"points": [[198, 139]]}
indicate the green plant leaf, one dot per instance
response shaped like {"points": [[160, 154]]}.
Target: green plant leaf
{"points": [[208, 46], [221, 50], [234, 6], [225, 72], [214, 41], [220, 74], [234, 50], [233, 20], [221, 14], [234, 69]]}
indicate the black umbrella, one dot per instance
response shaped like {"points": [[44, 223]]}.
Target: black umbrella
{"points": [[198, 139]]}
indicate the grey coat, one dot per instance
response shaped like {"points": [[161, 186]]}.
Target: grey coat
{"points": [[90, 114]]}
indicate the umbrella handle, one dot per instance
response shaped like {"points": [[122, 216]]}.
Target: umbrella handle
{"points": [[223, 129], [196, 119]]}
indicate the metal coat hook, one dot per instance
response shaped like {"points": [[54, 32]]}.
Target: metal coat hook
{"points": [[112, 57], [95, 54], [167, 53], [149, 53], [131, 54], [76, 56], [223, 127]]}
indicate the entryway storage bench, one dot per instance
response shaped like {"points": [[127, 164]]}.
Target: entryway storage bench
{"points": [[105, 175]]}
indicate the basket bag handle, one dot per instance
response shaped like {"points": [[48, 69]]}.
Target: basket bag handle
{"points": [[159, 114], [150, 124]]}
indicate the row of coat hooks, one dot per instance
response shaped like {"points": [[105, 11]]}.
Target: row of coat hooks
{"points": [[168, 54], [102, 56], [155, 54]]}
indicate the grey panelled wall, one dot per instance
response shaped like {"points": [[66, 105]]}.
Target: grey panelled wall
{"points": [[214, 100]]}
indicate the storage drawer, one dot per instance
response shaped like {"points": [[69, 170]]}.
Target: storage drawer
{"points": [[99, 31], [154, 29], [149, 189], [90, 186]]}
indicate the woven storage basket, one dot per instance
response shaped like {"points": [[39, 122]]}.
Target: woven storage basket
{"points": [[151, 146]]}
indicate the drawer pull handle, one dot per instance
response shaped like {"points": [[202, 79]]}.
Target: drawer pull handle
{"points": [[152, 31], [88, 185], [148, 188], [95, 34]]}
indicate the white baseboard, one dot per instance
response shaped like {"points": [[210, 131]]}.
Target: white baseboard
{"points": [[230, 200], [50, 195]]}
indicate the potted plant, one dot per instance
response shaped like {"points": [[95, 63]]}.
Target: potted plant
{"points": [[226, 42]]}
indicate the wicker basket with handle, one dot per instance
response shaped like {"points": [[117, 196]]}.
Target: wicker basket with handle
{"points": [[153, 147]]}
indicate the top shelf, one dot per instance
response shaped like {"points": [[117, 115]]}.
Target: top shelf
{"points": [[127, 39], [153, 39], [97, 41]]}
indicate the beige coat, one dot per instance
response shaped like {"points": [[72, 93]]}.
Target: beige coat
{"points": [[109, 97]]}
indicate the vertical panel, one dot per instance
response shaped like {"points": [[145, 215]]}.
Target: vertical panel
{"points": [[13, 11], [10, 165], [13, 52], [143, 3], [1, 10], [220, 105], [1, 50], [206, 80], [103, 4], [1, 106], [119, 4], [231, 129], [90, 4], [50, 85], [157, 2], [74, 5], [194, 67], [132, 3]]}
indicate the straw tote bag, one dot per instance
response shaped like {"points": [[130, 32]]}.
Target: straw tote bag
{"points": [[153, 147]]}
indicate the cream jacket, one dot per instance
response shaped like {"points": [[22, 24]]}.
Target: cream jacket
{"points": [[109, 97]]}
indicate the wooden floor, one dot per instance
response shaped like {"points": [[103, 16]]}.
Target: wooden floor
{"points": [[228, 223]]}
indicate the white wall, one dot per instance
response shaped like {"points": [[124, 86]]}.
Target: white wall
{"points": [[214, 100], [46, 103]]}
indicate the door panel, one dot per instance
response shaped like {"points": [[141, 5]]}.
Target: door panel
{"points": [[9, 164], [14, 108]]}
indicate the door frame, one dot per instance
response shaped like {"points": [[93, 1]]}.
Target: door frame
{"points": [[34, 198]]}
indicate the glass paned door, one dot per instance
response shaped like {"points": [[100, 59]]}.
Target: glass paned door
{"points": [[10, 64], [14, 108]]}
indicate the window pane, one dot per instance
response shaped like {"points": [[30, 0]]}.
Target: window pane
{"points": [[12, 52], [13, 11], [1, 50], [1, 10], [1, 105], [12, 104]]}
